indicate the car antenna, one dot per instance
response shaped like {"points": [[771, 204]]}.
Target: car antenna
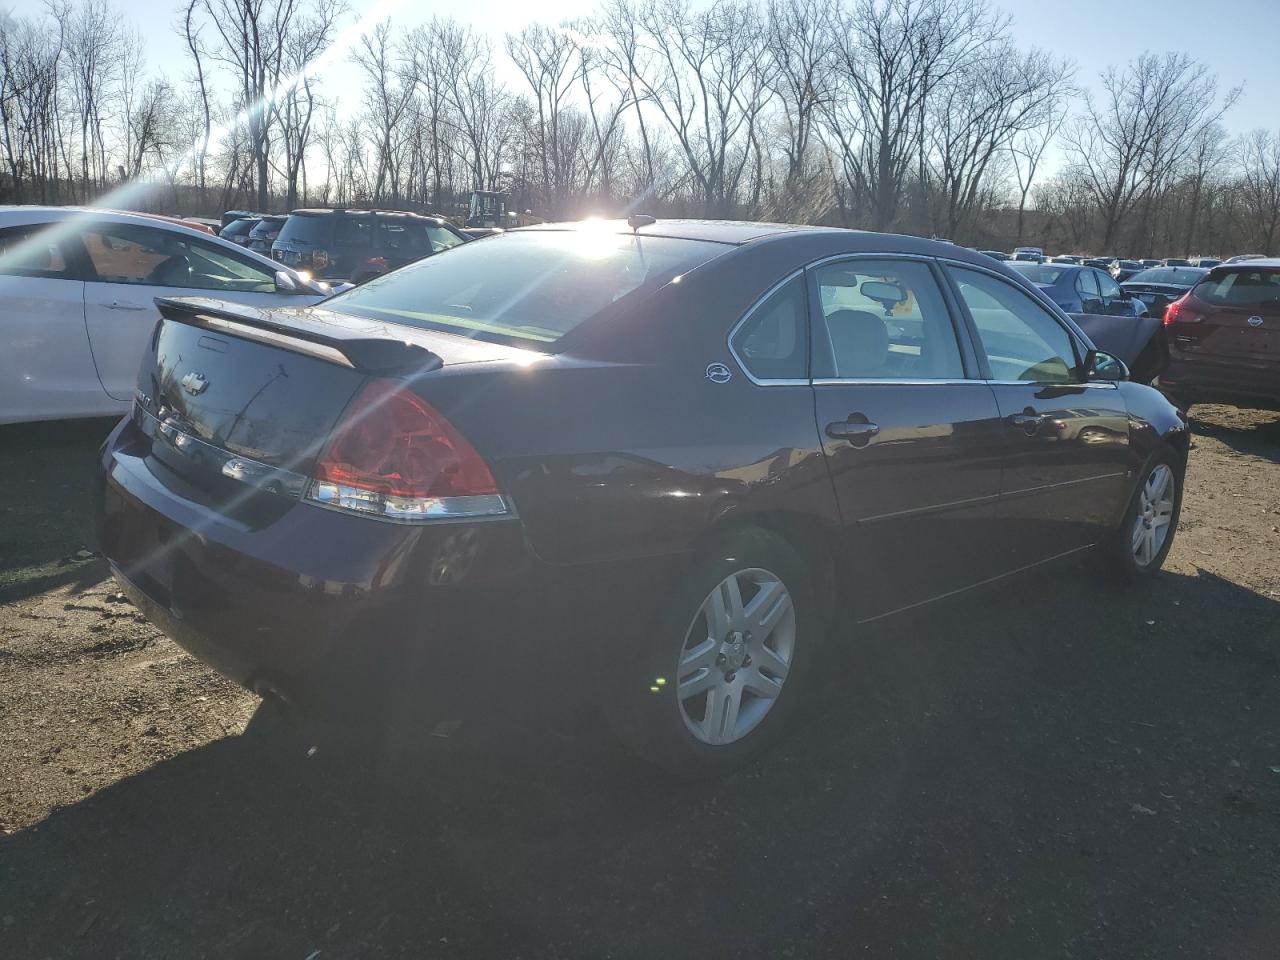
{"points": [[638, 220]]}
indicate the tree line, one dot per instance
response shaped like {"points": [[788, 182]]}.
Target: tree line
{"points": [[919, 116]]}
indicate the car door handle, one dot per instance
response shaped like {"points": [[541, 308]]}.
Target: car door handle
{"points": [[117, 305], [1027, 421], [858, 434]]}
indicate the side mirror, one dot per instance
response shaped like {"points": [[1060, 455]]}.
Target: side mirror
{"points": [[285, 283], [1103, 366]]}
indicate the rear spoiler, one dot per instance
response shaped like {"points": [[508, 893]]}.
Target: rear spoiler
{"points": [[381, 355]]}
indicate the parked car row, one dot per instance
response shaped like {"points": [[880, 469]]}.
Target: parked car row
{"points": [[340, 244]]}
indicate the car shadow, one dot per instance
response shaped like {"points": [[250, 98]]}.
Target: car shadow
{"points": [[46, 481], [1261, 438], [1056, 768]]}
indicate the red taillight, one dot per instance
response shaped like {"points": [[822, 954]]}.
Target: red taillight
{"points": [[1179, 312], [319, 258], [396, 456]]}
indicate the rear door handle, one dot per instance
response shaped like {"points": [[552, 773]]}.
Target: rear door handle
{"points": [[1027, 421], [117, 305], [858, 434]]}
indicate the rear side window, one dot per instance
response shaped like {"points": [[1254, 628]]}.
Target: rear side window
{"points": [[1240, 288], [32, 250], [528, 287], [882, 320], [771, 342]]}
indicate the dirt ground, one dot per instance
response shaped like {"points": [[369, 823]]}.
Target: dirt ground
{"points": [[1057, 769]]}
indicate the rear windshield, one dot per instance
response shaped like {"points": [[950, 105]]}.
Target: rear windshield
{"points": [[306, 229], [238, 227], [265, 228], [1240, 288], [528, 288], [1178, 276], [1045, 273]]}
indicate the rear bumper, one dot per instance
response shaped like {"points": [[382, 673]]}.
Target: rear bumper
{"points": [[331, 610], [1243, 383]]}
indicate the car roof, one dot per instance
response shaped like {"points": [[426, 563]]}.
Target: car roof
{"points": [[1266, 263], [741, 232], [716, 231], [372, 212], [22, 213]]}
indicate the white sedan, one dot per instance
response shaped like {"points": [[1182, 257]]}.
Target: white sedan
{"points": [[77, 292]]}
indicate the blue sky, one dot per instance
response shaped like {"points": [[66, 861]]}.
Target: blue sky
{"points": [[1236, 39]]}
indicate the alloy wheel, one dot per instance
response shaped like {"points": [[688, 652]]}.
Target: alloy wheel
{"points": [[1154, 520], [736, 656]]}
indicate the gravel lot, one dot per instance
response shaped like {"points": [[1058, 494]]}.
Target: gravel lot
{"points": [[1056, 769]]}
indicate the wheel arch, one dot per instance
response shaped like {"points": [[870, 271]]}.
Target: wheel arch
{"points": [[811, 537]]}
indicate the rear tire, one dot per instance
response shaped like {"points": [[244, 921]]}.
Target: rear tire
{"points": [[1139, 547], [729, 664]]}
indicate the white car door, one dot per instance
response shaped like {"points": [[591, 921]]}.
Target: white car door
{"points": [[46, 371], [134, 264]]}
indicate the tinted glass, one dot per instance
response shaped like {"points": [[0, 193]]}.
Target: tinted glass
{"points": [[405, 238], [239, 228], [442, 238], [265, 228], [30, 251], [353, 231], [1086, 285], [1180, 276], [883, 319], [1107, 286], [1021, 339], [309, 230], [771, 343], [1046, 273], [530, 287], [1241, 288], [124, 253]]}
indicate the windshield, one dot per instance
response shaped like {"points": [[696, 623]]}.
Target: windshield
{"points": [[529, 288], [1042, 273], [1240, 288], [1177, 276]]}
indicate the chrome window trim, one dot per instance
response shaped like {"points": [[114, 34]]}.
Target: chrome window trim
{"points": [[747, 314], [905, 382]]}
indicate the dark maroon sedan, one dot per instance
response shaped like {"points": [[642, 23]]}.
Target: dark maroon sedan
{"points": [[674, 456]]}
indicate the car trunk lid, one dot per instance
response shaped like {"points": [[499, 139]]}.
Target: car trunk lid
{"points": [[237, 401], [1233, 313]]}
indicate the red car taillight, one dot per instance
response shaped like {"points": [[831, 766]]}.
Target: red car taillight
{"points": [[395, 456], [319, 258], [1179, 312]]}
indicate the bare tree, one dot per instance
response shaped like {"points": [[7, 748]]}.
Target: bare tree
{"points": [[1129, 142], [977, 113], [1259, 160]]}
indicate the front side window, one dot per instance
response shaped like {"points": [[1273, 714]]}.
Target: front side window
{"points": [[771, 342], [1021, 339], [126, 253], [32, 250], [882, 320]]}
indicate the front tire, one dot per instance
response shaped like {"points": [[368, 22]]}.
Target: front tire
{"points": [[728, 666], [1146, 533]]}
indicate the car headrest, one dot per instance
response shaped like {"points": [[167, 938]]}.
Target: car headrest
{"points": [[859, 342]]}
